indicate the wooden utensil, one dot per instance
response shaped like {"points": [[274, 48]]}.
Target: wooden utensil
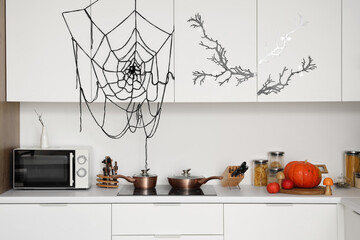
{"points": [[304, 191], [106, 181]]}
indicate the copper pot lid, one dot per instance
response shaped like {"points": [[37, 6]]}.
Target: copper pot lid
{"points": [[145, 173], [186, 175]]}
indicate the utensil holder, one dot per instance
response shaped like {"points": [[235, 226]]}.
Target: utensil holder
{"points": [[228, 180], [106, 181]]}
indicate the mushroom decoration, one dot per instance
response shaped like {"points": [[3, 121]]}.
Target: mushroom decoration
{"points": [[280, 176], [328, 182]]}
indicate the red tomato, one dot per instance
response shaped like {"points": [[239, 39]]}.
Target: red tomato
{"points": [[287, 184], [273, 187]]}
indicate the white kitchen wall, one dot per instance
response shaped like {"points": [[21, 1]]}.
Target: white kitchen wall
{"points": [[207, 137]]}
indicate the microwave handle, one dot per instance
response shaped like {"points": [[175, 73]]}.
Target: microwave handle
{"points": [[71, 169]]}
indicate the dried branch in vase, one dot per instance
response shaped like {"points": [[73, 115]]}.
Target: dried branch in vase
{"points": [[219, 58], [270, 86], [40, 118]]}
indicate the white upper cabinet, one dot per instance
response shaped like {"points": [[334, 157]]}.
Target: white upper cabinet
{"points": [[40, 54], [299, 50], [183, 50], [118, 50], [215, 51], [351, 50]]}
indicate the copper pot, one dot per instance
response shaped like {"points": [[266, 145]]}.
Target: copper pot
{"points": [[142, 180], [187, 181]]}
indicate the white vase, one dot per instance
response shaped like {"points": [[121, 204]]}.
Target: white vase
{"points": [[44, 141]]}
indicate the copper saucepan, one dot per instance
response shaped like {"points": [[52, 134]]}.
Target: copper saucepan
{"points": [[187, 181], [143, 180]]}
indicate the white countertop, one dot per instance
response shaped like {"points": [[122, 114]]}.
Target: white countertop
{"points": [[353, 203], [247, 194]]}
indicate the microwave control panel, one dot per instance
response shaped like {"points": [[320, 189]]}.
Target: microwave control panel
{"points": [[82, 169]]}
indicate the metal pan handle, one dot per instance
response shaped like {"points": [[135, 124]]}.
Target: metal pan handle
{"points": [[205, 180], [127, 178]]}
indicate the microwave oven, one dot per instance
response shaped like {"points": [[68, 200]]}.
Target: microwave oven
{"points": [[51, 168]]}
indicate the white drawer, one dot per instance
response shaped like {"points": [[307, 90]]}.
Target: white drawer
{"points": [[150, 219], [169, 237], [260, 221], [55, 221]]}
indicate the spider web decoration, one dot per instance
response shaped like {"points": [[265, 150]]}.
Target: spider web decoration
{"points": [[130, 70]]}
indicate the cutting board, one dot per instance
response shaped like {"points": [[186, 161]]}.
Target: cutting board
{"points": [[304, 191]]}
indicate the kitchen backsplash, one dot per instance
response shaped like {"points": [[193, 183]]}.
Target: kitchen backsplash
{"points": [[205, 137]]}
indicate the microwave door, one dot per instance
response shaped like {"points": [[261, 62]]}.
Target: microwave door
{"points": [[44, 171]]}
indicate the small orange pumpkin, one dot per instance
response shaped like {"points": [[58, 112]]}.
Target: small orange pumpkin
{"points": [[303, 174]]}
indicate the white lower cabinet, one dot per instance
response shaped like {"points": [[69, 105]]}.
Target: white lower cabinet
{"points": [[175, 221], [167, 221], [280, 221], [352, 224], [55, 221], [169, 237]]}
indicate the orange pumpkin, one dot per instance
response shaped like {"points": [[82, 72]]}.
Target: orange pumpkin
{"points": [[303, 174]]}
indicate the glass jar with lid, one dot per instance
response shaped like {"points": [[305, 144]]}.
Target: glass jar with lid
{"points": [[357, 179], [260, 167], [276, 160], [272, 175], [352, 165]]}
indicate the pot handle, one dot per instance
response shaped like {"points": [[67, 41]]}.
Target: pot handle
{"points": [[127, 178], [205, 180]]}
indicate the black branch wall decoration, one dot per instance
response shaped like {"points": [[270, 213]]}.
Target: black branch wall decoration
{"points": [[271, 86], [219, 58], [130, 70]]}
